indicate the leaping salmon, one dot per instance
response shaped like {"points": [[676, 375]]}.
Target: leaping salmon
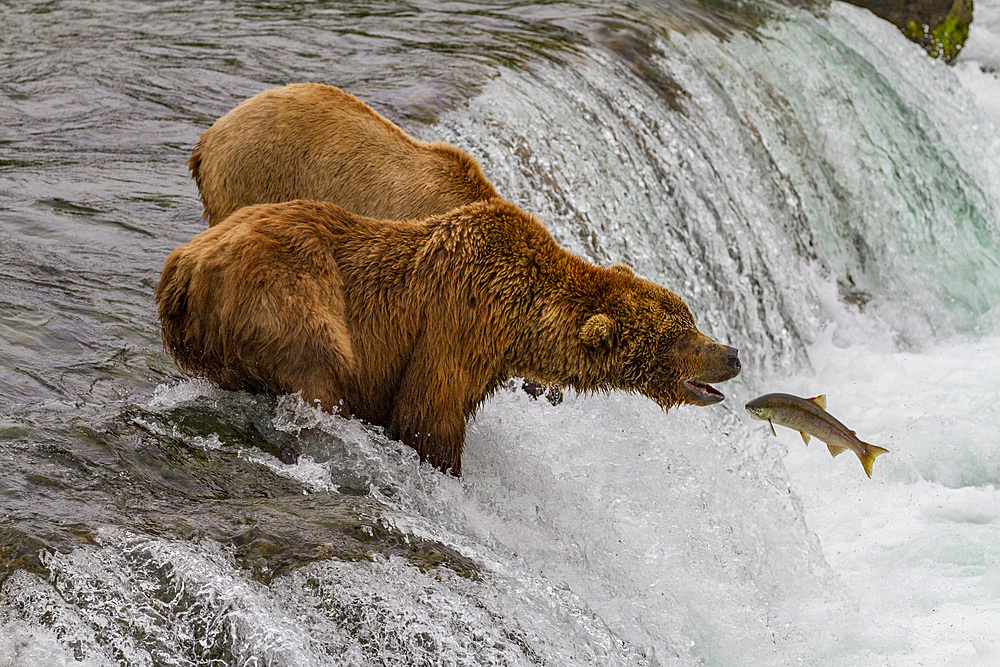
{"points": [[808, 416]]}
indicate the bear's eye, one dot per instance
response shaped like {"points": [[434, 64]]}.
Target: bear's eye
{"points": [[678, 344]]}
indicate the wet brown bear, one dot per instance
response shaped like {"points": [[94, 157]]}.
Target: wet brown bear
{"points": [[412, 324], [311, 141]]}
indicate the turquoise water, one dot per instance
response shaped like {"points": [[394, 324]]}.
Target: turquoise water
{"points": [[824, 197]]}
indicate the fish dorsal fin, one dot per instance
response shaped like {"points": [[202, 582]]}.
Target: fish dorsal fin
{"points": [[805, 437], [836, 449], [819, 400]]}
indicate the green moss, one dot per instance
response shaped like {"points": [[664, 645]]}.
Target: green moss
{"points": [[914, 32], [948, 38]]}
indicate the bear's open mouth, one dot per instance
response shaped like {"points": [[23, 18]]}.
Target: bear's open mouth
{"points": [[702, 393]]}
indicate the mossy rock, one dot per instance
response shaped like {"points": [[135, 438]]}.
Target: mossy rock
{"points": [[950, 20]]}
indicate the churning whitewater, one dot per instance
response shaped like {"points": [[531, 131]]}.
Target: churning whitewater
{"points": [[819, 191]]}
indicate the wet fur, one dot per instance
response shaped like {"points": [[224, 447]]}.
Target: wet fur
{"points": [[412, 324]]}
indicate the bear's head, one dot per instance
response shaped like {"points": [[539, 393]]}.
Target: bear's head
{"points": [[645, 340]]}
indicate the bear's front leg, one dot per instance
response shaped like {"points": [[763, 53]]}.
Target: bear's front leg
{"points": [[428, 413]]}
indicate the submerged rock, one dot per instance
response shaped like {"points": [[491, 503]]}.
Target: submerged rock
{"points": [[205, 472], [940, 26]]}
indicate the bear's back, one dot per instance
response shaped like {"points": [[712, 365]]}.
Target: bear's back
{"points": [[312, 141]]}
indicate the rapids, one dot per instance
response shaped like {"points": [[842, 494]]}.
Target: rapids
{"points": [[822, 194]]}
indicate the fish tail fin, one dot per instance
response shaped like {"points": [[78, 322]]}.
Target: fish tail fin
{"points": [[871, 451], [805, 437], [835, 449]]}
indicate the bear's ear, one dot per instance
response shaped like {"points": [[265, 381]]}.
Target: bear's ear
{"points": [[623, 269], [597, 332]]}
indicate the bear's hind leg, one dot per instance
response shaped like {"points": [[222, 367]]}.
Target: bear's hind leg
{"points": [[317, 358]]}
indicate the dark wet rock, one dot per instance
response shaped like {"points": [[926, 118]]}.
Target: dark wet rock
{"points": [[851, 295], [189, 478], [22, 550], [635, 46], [236, 417], [272, 536], [940, 26]]}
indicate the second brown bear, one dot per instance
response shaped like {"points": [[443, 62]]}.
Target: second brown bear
{"points": [[312, 141]]}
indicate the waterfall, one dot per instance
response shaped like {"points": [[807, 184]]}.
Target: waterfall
{"points": [[822, 195], [775, 183]]}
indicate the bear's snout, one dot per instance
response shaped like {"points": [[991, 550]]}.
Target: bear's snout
{"points": [[720, 363]]}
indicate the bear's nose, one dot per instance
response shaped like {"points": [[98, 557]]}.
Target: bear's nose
{"points": [[733, 359]]}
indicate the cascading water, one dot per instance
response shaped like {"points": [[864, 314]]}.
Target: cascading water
{"points": [[822, 195], [802, 160]]}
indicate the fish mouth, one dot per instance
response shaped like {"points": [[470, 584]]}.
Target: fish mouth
{"points": [[702, 393]]}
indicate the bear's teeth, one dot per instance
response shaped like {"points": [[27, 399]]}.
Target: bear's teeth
{"points": [[703, 391]]}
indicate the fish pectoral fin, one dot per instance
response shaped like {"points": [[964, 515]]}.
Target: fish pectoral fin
{"points": [[819, 400], [836, 449], [805, 437], [871, 451], [772, 428]]}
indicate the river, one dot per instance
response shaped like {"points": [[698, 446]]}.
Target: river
{"points": [[823, 195]]}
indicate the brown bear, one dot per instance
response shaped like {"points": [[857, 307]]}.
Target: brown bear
{"points": [[412, 324], [312, 141]]}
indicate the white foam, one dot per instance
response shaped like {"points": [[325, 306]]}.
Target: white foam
{"points": [[174, 394], [30, 645], [128, 597], [978, 66], [915, 545], [664, 524], [984, 85], [983, 44]]}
